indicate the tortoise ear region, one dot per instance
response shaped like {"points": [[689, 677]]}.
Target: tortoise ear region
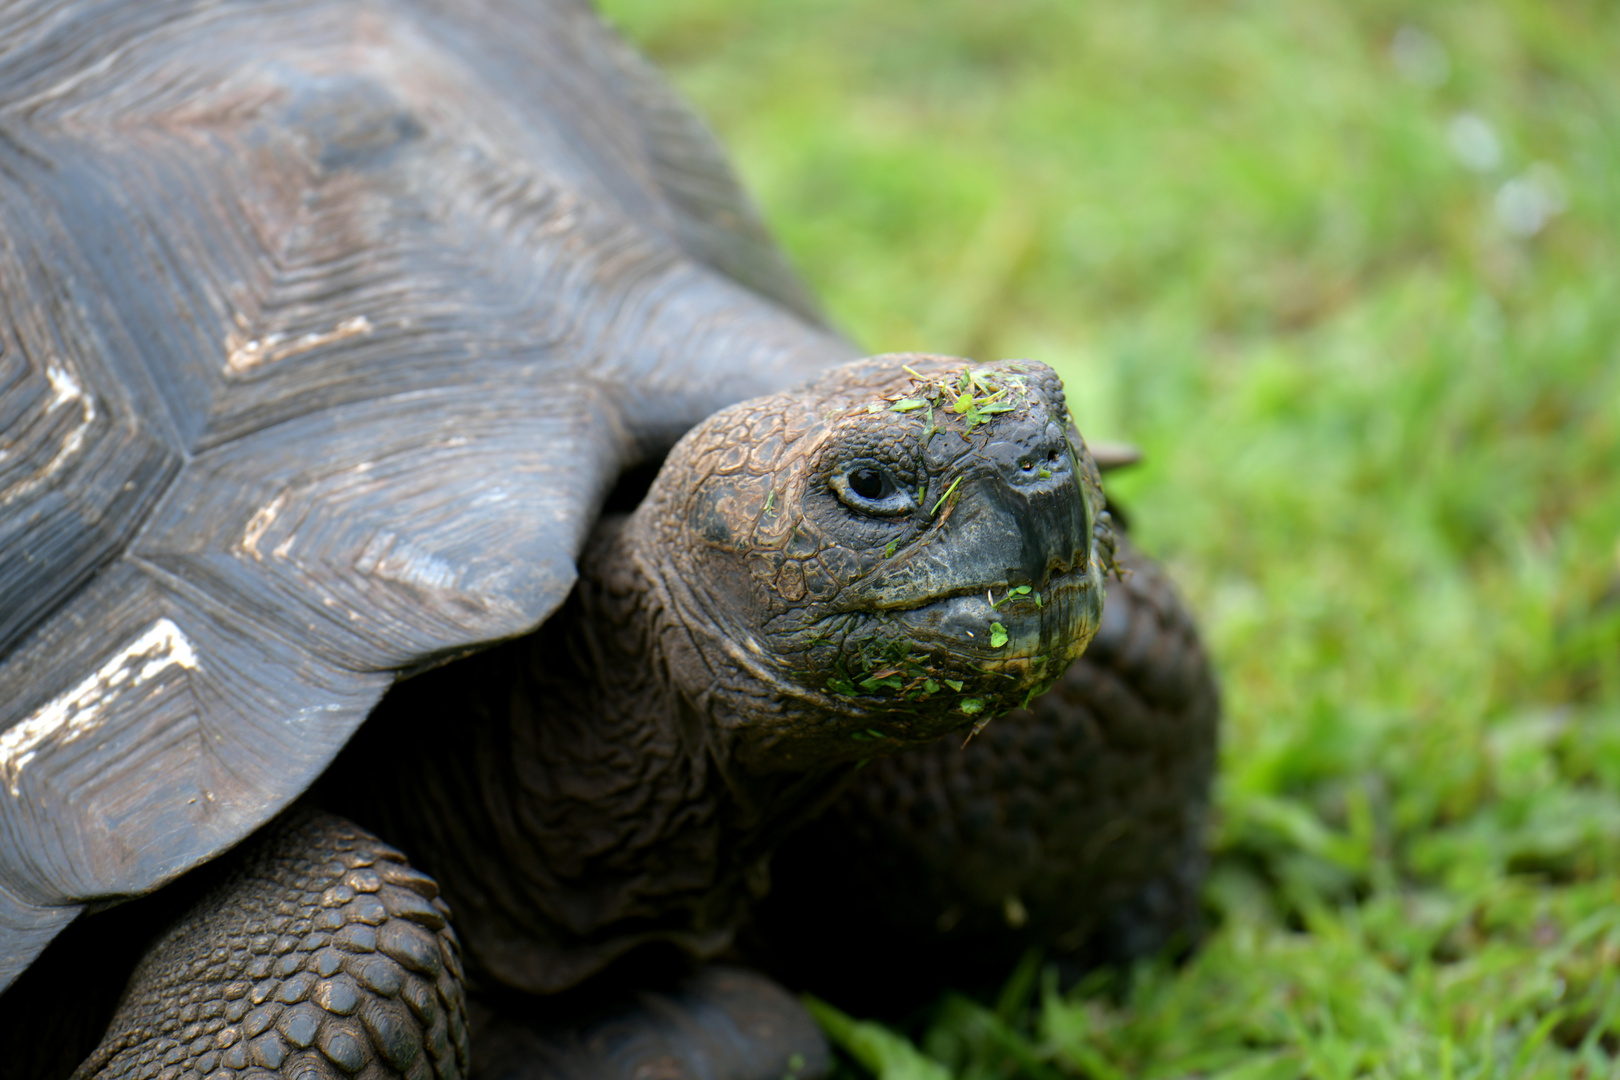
{"points": [[712, 515]]}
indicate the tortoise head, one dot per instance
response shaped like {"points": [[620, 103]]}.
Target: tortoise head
{"points": [[905, 547]]}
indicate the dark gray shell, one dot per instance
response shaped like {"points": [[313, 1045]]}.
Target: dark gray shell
{"points": [[325, 327]]}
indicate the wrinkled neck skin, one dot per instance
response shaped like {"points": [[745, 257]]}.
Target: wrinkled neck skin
{"points": [[744, 696], [572, 802], [639, 665]]}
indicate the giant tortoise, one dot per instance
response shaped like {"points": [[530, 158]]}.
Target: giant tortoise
{"points": [[445, 553]]}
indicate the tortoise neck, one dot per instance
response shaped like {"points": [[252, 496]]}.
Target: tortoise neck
{"points": [[572, 803], [599, 658], [643, 658]]}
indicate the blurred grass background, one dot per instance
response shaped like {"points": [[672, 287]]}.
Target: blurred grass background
{"points": [[1349, 275]]}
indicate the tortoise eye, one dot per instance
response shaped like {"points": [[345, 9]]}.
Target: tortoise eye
{"points": [[867, 483], [868, 488]]}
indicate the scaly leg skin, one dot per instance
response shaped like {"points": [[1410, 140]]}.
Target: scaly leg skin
{"points": [[320, 954], [1076, 827]]}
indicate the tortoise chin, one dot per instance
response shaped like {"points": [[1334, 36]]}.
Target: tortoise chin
{"points": [[914, 674]]}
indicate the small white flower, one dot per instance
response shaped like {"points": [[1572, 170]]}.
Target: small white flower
{"points": [[1527, 202], [1474, 142]]}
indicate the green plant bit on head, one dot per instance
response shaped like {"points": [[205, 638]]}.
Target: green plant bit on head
{"points": [[942, 498], [888, 551], [907, 404], [770, 501], [972, 705], [954, 684], [998, 635], [842, 685], [1019, 592]]}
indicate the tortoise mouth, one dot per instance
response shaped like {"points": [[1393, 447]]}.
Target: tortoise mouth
{"points": [[997, 622], [1074, 574]]}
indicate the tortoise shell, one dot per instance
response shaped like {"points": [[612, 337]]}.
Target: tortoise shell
{"points": [[325, 329]]}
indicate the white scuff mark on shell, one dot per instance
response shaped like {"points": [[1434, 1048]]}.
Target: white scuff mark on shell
{"points": [[261, 520], [313, 712], [386, 555], [64, 387], [244, 353], [83, 709], [65, 390]]}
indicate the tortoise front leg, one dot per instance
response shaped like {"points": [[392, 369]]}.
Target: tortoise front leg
{"points": [[320, 954]]}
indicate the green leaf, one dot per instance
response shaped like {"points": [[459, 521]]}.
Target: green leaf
{"points": [[972, 706], [888, 551], [964, 402], [954, 684], [886, 1055], [907, 404], [998, 635]]}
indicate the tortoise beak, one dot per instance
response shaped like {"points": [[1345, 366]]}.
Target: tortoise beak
{"points": [[1020, 516]]}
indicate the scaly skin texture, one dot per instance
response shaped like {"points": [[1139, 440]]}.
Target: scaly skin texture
{"points": [[731, 650], [320, 954], [1076, 826]]}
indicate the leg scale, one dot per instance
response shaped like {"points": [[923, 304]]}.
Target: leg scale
{"points": [[320, 954]]}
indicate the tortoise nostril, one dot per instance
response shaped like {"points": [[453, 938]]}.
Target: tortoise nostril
{"points": [[1053, 457]]}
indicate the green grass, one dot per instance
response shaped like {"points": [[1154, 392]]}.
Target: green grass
{"points": [[1270, 244]]}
